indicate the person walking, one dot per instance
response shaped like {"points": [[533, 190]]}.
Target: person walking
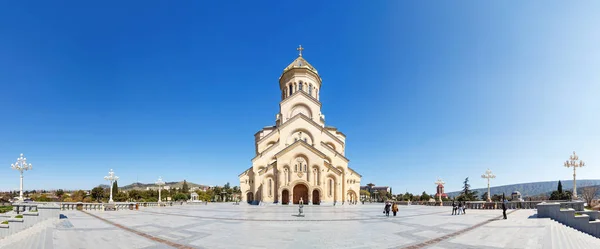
{"points": [[386, 209], [460, 206], [454, 208], [504, 206], [394, 208], [464, 208]]}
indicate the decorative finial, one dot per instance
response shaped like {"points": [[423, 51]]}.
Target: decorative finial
{"points": [[300, 48]]}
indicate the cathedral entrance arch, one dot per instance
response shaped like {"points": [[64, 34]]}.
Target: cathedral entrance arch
{"points": [[352, 197], [249, 197], [316, 197], [285, 197], [300, 191]]}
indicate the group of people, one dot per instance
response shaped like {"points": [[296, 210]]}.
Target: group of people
{"points": [[458, 208], [388, 206]]}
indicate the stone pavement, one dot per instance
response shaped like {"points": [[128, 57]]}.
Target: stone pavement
{"points": [[244, 226]]}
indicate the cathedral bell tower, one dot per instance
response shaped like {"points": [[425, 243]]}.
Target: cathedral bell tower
{"points": [[300, 83]]}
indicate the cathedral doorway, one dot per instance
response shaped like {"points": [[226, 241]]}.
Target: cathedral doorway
{"points": [[285, 197], [316, 197], [249, 197], [352, 197], [300, 191]]}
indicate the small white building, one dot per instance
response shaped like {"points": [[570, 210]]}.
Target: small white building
{"points": [[194, 197]]}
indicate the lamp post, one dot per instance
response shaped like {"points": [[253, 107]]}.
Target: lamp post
{"points": [[111, 178], [437, 184], [160, 183], [223, 193], [573, 162], [21, 165], [488, 175]]}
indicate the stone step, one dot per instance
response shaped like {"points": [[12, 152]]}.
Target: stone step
{"points": [[562, 236]]}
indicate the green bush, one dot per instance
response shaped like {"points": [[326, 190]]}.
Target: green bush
{"points": [[4, 209], [5, 222], [19, 216], [180, 197]]}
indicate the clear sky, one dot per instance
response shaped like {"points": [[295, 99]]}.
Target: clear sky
{"points": [[153, 88]]}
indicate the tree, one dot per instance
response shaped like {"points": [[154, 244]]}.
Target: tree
{"points": [[559, 194], [466, 188], [484, 196], [59, 193], [180, 197], [425, 196], [120, 196], [115, 189], [135, 194], [78, 195], [589, 193], [466, 194], [559, 189], [185, 188], [97, 193]]}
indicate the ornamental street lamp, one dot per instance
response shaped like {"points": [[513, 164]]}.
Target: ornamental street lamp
{"points": [[437, 184], [21, 165], [160, 183], [111, 178], [488, 175], [572, 162], [223, 193]]}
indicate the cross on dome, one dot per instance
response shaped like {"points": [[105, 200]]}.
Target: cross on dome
{"points": [[300, 48]]}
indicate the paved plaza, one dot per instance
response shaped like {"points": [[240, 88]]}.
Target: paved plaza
{"points": [[358, 226]]}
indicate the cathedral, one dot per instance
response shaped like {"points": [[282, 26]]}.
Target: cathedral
{"points": [[300, 158]]}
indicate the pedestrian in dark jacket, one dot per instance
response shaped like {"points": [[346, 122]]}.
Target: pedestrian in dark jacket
{"points": [[460, 206], [387, 208], [454, 208], [504, 207]]}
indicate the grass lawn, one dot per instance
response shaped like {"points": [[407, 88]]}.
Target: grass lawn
{"points": [[4, 209]]}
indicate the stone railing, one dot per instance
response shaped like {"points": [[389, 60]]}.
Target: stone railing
{"points": [[116, 205], [584, 221], [23, 207], [478, 204], [29, 215]]}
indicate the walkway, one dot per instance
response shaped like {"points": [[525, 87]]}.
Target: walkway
{"points": [[360, 226]]}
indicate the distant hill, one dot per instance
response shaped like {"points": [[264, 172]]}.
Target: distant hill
{"points": [[143, 186], [532, 188]]}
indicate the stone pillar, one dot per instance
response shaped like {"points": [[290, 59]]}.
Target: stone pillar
{"points": [[309, 201]]}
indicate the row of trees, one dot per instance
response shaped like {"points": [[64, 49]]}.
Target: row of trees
{"points": [[102, 194]]}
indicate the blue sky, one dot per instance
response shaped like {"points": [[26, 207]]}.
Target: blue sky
{"points": [[151, 88]]}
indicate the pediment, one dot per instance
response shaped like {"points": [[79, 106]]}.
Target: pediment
{"points": [[300, 143]]}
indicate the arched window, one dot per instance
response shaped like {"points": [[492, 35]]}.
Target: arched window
{"points": [[296, 168], [270, 187], [310, 89], [300, 86], [291, 90], [330, 186]]}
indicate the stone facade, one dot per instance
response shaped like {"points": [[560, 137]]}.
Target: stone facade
{"points": [[299, 157]]}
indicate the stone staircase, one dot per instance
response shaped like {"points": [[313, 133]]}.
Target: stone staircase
{"points": [[561, 236], [35, 237]]}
